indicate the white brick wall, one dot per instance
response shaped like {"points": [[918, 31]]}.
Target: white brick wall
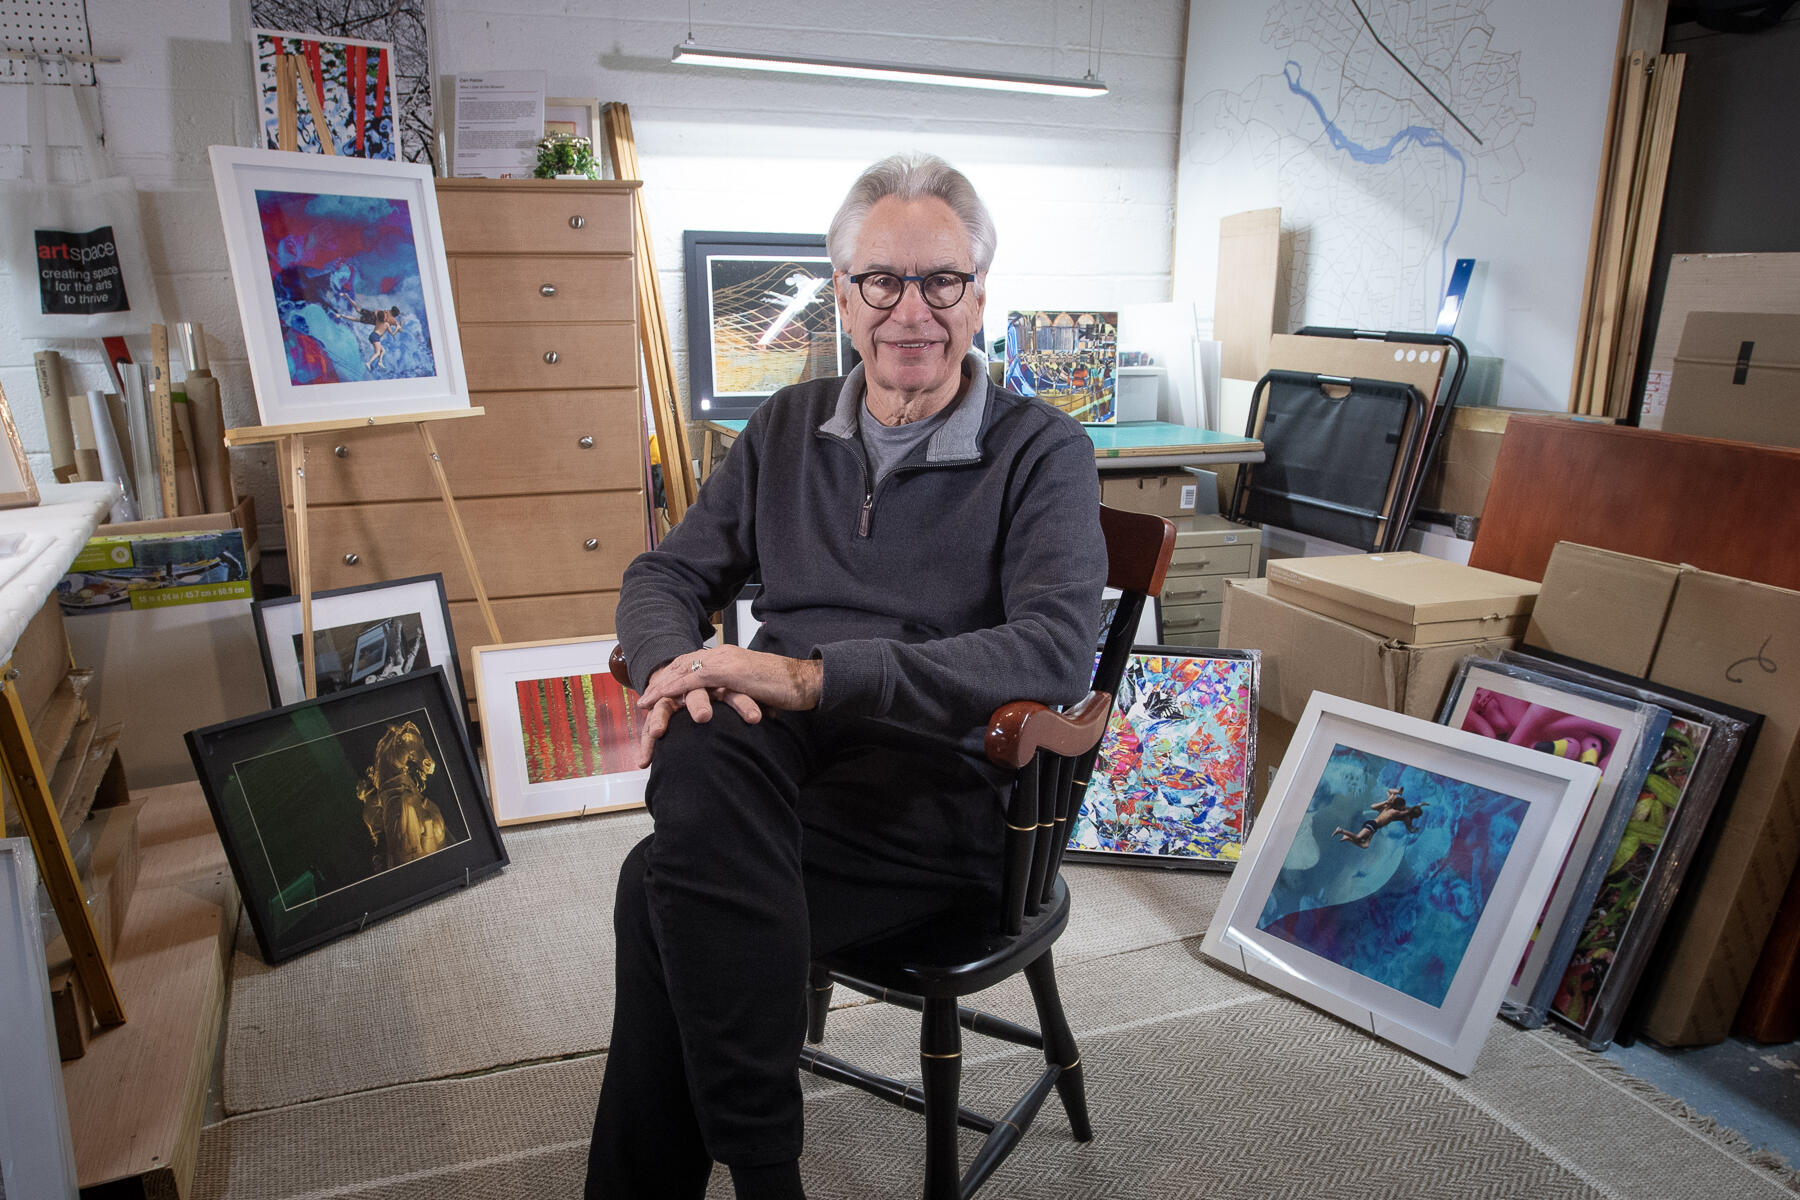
{"points": [[1082, 190]]}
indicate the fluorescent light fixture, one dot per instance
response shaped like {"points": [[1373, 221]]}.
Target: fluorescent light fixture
{"points": [[856, 68]]}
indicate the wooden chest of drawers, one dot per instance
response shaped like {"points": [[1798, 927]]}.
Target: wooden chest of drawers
{"points": [[550, 482], [1208, 551]]}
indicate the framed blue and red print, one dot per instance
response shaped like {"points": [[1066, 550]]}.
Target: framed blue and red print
{"points": [[342, 286]]}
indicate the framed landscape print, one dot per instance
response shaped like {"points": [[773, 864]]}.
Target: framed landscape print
{"points": [[558, 732], [761, 315], [1567, 720], [1702, 751], [1396, 871], [361, 635], [1171, 782], [354, 83], [348, 808], [342, 286]]}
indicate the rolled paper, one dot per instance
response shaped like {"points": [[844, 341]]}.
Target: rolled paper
{"points": [[56, 415], [112, 459]]}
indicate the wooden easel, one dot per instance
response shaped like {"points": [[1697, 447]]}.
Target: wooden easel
{"points": [[292, 442]]}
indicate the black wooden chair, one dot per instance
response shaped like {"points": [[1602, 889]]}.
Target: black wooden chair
{"points": [[931, 967]]}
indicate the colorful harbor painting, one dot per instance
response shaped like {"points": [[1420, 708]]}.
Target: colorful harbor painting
{"points": [[1069, 359], [576, 727], [1172, 778], [1390, 871], [348, 293]]}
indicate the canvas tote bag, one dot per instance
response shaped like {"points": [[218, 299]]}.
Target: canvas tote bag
{"points": [[74, 251]]}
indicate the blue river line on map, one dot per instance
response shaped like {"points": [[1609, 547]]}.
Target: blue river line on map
{"points": [[1421, 135]]}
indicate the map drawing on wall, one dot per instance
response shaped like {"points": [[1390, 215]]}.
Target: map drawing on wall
{"points": [[1398, 136], [403, 23]]}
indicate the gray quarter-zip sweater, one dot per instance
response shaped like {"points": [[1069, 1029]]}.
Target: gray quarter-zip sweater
{"points": [[968, 577]]}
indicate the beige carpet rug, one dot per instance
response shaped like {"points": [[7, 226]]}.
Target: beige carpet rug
{"points": [[455, 1052], [519, 968], [1218, 1090]]}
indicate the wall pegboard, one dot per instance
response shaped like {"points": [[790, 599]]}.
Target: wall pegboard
{"points": [[47, 26]]}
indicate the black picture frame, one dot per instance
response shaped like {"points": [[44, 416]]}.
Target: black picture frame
{"points": [[732, 281], [297, 794], [420, 596]]}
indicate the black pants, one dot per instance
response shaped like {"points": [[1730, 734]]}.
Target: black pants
{"points": [[801, 834]]}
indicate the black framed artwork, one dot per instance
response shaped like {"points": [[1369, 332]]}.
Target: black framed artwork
{"points": [[761, 315], [342, 810]]}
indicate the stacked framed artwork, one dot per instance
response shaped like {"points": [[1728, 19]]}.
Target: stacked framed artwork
{"points": [[1566, 720], [1701, 756], [360, 635], [1396, 871]]}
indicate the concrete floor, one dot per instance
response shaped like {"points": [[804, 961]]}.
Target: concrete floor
{"points": [[1753, 1089]]}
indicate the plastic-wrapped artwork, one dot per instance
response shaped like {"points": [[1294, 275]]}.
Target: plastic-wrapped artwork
{"points": [[1171, 781]]}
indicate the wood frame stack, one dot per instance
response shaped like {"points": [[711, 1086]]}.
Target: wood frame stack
{"points": [[680, 489], [1627, 214]]}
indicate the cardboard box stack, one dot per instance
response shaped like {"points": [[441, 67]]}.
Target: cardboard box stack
{"points": [[1730, 640], [1386, 629]]}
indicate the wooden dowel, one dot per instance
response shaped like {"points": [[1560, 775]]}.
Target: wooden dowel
{"points": [[300, 566], [287, 102], [316, 104], [462, 538]]}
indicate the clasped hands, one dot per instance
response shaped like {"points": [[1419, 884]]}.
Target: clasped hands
{"points": [[747, 680]]}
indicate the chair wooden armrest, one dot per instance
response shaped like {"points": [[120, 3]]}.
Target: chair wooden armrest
{"points": [[1018, 730]]}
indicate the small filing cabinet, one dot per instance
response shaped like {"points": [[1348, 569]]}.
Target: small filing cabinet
{"points": [[1208, 551]]}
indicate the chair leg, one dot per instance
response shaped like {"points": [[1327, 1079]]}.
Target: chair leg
{"points": [[940, 1060], [818, 1002], [1059, 1045]]}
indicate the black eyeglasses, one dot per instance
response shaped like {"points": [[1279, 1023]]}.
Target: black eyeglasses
{"points": [[941, 289]]}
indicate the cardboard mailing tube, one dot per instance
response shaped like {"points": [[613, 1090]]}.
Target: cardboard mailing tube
{"points": [[56, 415], [205, 409]]}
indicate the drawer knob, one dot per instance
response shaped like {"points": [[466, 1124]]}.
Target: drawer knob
{"points": [[551, 356], [341, 451], [591, 544], [350, 560], [577, 222], [586, 442], [547, 290]]}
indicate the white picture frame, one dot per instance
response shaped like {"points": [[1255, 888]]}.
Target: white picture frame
{"points": [[575, 115], [315, 269], [1531, 801], [536, 770], [37, 1151], [417, 602]]}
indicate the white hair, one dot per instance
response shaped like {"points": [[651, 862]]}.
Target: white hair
{"points": [[911, 177]]}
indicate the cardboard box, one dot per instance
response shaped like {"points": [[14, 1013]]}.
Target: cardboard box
{"points": [[1171, 493], [1603, 607], [1457, 481], [1766, 283], [1734, 641], [1737, 375], [1410, 598], [1731, 639], [155, 571], [1305, 651]]}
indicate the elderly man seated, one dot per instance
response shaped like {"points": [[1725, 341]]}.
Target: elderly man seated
{"points": [[929, 548]]}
